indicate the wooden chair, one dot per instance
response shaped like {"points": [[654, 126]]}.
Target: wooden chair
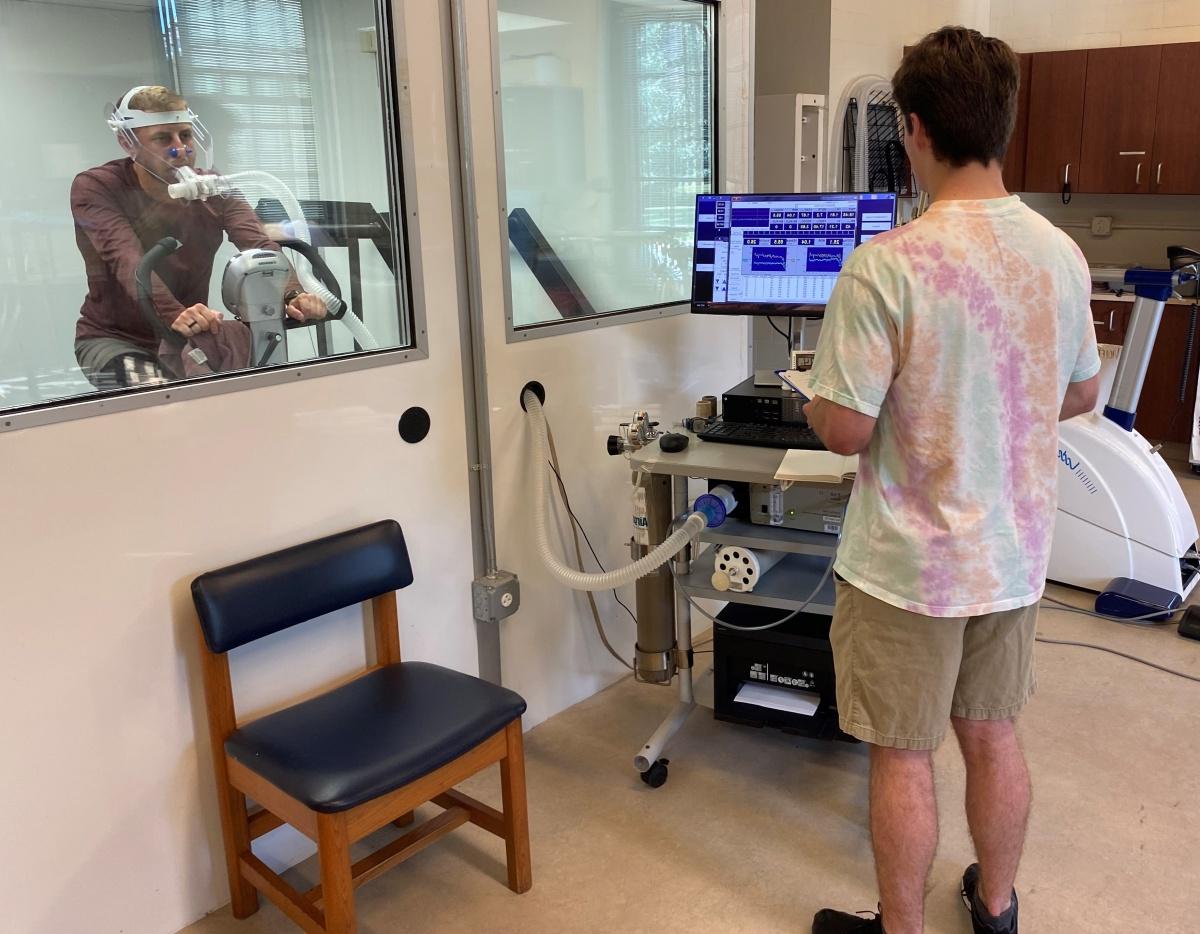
{"points": [[344, 764]]}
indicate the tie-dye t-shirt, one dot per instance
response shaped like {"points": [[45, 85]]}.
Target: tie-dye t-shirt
{"points": [[959, 332]]}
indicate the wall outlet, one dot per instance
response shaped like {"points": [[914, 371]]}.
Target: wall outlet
{"points": [[1101, 226], [495, 598]]}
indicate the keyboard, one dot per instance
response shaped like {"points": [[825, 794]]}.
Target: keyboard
{"points": [[763, 436]]}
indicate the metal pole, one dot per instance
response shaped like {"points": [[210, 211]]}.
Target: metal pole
{"points": [[1135, 355], [474, 362]]}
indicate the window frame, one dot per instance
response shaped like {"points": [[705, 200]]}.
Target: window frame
{"points": [[621, 315], [396, 112]]}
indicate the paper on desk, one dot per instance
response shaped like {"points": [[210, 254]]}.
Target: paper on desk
{"points": [[776, 698], [817, 466]]}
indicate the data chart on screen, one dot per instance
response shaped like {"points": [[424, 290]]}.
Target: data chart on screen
{"points": [[777, 250]]}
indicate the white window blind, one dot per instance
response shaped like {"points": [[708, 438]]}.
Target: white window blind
{"points": [[244, 66], [668, 56]]}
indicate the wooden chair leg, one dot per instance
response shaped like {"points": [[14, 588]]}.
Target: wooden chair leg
{"points": [[337, 885], [235, 831], [516, 811], [406, 819]]}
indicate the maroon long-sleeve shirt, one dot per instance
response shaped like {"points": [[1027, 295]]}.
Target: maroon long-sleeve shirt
{"points": [[116, 222]]}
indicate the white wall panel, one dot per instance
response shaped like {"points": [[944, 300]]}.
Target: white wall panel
{"points": [[594, 380], [111, 821]]}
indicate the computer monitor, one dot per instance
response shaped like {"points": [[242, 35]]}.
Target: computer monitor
{"points": [[758, 254]]}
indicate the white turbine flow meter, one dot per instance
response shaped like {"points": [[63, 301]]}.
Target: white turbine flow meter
{"points": [[740, 569]]}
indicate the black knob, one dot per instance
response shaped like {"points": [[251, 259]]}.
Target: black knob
{"points": [[615, 445]]}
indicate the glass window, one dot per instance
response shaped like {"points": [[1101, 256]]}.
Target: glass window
{"points": [[609, 135], [237, 212]]}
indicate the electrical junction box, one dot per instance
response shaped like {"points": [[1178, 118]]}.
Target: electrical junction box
{"points": [[808, 507], [497, 597], [1102, 226]]}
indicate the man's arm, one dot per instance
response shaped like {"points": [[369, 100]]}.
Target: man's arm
{"points": [[98, 215], [1081, 397], [857, 359], [841, 429]]}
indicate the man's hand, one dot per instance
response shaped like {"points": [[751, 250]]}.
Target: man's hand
{"points": [[195, 320], [306, 307]]}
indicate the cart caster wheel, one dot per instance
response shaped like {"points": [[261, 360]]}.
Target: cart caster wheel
{"points": [[656, 775]]}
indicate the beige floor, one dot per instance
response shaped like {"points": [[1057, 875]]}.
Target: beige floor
{"points": [[755, 829]]}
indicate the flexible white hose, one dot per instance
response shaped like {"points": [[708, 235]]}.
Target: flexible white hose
{"points": [[366, 340], [300, 231], [195, 186], [568, 576]]}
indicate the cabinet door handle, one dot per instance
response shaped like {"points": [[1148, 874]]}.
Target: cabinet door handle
{"points": [[1138, 179], [1158, 175], [1100, 323]]}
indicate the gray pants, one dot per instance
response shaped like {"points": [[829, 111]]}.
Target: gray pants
{"points": [[112, 363]]}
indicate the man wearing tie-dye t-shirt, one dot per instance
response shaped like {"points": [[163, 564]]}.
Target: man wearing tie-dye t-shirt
{"points": [[951, 348]]}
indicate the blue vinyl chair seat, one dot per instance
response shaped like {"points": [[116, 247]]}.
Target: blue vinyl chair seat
{"points": [[373, 735]]}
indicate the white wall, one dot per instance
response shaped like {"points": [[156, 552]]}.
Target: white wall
{"points": [[594, 380], [53, 88], [867, 36], [111, 820], [1037, 26]]}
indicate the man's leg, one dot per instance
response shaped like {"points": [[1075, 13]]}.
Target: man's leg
{"points": [[998, 796], [904, 833]]}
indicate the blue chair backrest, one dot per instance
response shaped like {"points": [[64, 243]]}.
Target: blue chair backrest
{"points": [[265, 595]]}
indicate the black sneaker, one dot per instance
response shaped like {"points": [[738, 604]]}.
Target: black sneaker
{"points": [[828, 921], [981, 921]]}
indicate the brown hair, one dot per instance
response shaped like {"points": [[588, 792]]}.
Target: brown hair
{"points": [[963, 86], [156, 100]]}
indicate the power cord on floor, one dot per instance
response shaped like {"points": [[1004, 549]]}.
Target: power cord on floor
{"points": [[1132, 658], [1149, 620]]}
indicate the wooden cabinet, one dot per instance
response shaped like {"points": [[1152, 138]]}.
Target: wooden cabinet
{"points": [[1014, 158], [1055, 125], [1107, 121], [1111, 320], [1120, 103], [1176, 162]]}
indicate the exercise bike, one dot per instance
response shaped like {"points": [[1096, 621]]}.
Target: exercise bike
{"points": [[1124, 528], [252, 288]]}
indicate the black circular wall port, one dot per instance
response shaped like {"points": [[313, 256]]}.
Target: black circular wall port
{"points": [[414, 424], [538, 390]]}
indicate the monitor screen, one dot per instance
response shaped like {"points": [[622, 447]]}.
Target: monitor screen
{"points": [[779, 254]]}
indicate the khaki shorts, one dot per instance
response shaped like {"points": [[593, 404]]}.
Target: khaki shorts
{"points": [[901, 675]]}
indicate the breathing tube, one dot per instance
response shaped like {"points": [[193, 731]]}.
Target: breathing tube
{"points": [[692, 526], [194, 186]]}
